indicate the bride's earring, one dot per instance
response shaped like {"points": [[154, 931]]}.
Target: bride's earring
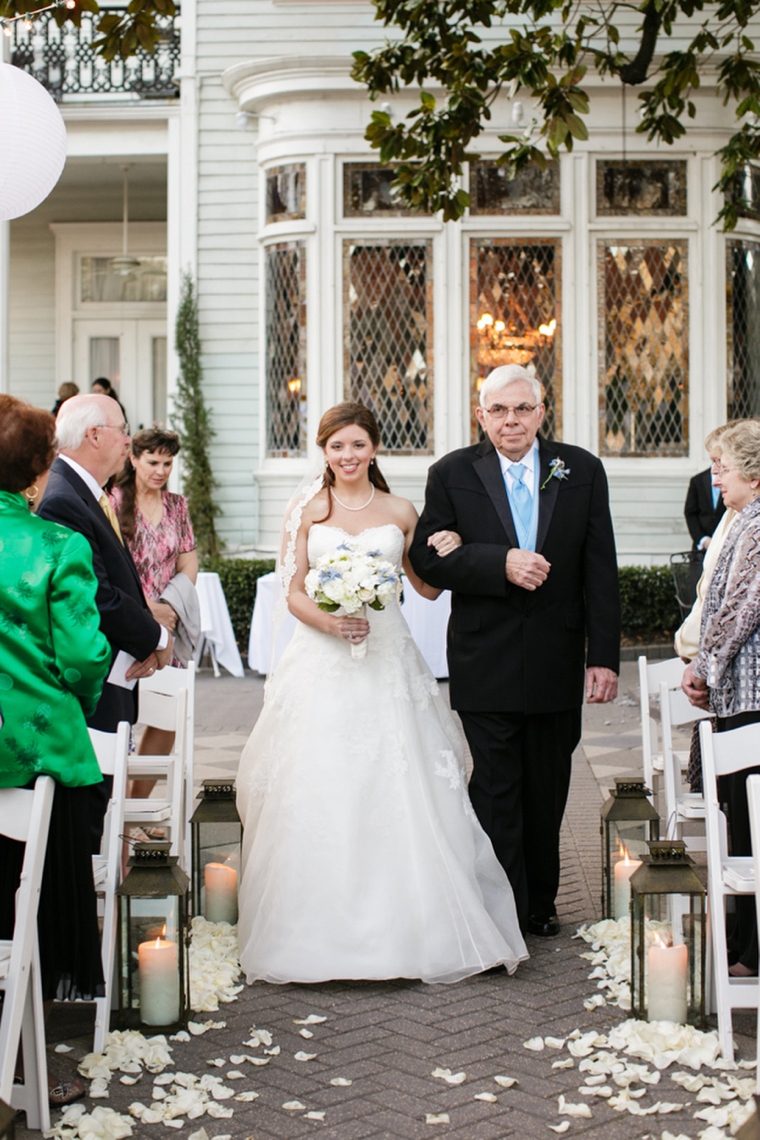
{"points": [[31, 495]]}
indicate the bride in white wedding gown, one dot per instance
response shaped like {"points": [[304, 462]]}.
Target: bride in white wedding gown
{"points": [[362, 857]]}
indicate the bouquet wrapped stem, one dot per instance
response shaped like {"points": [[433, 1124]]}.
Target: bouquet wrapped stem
{"points": [[351, 579]]}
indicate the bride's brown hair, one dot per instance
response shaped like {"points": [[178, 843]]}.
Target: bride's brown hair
{"points": [[349, 414]]}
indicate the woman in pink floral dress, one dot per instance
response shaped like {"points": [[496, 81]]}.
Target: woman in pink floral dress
{"points": [[157, 529]]}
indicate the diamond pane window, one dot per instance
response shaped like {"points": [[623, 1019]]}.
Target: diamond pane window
{"points": [[388, 338], [743, 328], [367, 192], [650, 189], [286, 348], [643, 350], [746, 192], [532, 191], [286, 192], [515, 290]]}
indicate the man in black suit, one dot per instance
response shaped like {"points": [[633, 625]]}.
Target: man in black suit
{"points": [[704, 507], [535, 622], [93, 439]]}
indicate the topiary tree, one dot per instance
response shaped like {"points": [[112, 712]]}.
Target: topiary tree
{"points": [[192, 421]]}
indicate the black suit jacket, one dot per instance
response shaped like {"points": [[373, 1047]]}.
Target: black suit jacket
{"points": [[700, 514], [125, 618], [510, 649]]}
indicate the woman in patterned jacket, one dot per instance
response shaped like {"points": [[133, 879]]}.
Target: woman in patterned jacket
{"points": [[725, 677]]}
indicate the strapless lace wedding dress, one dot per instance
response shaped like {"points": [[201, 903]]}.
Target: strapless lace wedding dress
{"points": [[362, 857]]}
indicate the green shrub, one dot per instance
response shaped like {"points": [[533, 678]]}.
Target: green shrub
{"points": [[238, 577], [648, 602]]}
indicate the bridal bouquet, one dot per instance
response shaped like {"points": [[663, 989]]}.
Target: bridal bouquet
{"points": [[351, 579]]}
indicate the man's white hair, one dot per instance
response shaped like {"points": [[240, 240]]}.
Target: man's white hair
{"points": [[75, 417], [502, 377]]}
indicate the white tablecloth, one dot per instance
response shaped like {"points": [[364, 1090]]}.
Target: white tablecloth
{"points": [[427, 622], [216, 626]]}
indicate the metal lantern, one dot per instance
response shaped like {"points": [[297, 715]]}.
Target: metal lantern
{"points": [[7, 1118], [750, 1130], [153, 940], [668, 937], [217, 835], [627, 824]]}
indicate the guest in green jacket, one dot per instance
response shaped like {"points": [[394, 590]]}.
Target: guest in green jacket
{"points": [[53, 661]]}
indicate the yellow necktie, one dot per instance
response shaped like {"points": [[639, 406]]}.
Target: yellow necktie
{"points": [[105, 504]]}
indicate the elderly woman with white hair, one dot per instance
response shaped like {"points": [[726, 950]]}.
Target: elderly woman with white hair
{"points": [[725, 676]]}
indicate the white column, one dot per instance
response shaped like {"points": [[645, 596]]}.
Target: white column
{"points": [[5, 244]]}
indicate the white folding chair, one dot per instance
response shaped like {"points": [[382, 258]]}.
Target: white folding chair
{"points": [[681, 807], [753, 798], [650, 676], [169, 681], [722, 754], [111, 749], [168, 712], [25, 816]]}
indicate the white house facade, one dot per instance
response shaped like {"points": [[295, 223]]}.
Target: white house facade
{"points": [[606, 275]]}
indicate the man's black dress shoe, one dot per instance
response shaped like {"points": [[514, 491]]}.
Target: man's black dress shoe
{"points": [[542, 927]]}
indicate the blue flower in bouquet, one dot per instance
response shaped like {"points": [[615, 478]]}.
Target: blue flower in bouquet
{"points": [[348, 578]]}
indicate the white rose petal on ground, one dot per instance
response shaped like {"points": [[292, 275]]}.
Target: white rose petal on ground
{"points": [[535, 1044], [567, 1109], [64, 1048], [183, 1035], [489, 1097], [313, 1115], [312, 1019], [305, 1033], [273, 1052], [569, 1063], [158, 1093], [217, 1062], [554, 1042], [294, 1106], [449, 1077], [127, 1080], [174, 1123], [196, 1028], [246, 1097], [506, 1082], [201, 1134], [563, 1127], [219, 1112], [166, 1078], [301, 1056], [341, 1082], [437, 1118], [258, 1060], [99, 1089], [235, 1075]]}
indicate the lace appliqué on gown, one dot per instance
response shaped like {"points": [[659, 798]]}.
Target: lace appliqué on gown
{"points": [[362, 857]]}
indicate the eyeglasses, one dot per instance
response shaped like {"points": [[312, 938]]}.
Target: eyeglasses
{"points": [[123, 428], [500, 412]]}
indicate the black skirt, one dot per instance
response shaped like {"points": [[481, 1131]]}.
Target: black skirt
{"points": [[67, 921]]}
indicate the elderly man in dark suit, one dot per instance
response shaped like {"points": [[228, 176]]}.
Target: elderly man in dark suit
{"points": [[93, 439], [535, 622]]}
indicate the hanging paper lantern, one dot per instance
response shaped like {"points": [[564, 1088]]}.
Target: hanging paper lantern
{"points": [[32, 143]]}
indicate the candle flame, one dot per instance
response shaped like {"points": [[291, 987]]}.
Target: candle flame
{"points": [[663, 941], [623, 853]]}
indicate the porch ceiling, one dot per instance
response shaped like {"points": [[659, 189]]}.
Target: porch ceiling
{"points": [[90, 190]]}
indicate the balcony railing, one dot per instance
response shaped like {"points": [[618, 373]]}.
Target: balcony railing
{"points": [[63, 61]]}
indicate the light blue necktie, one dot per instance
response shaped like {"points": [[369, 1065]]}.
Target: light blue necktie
{"points": [[521, 500]]}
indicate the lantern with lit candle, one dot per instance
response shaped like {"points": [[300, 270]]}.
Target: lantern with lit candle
{"points": [[217, 834], [153, 940], [668, 937], [628, 822]]}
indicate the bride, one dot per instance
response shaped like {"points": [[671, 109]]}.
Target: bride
{"points": [[362, 857]]}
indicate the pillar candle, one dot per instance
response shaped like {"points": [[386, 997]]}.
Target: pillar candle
{"points": [[221, 893], [158, 967], [623, 871], [666, 976]]}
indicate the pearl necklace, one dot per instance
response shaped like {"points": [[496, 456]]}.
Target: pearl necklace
{"points": [[361, 508]]}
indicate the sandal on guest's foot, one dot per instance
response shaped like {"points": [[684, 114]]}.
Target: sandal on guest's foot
{"points": [[739, 970], [64, 1092]]}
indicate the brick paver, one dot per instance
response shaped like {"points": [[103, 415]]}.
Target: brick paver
{"points": [[387, 1038]]}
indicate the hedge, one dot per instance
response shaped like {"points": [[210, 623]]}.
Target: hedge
{"points": [[650, 610]]}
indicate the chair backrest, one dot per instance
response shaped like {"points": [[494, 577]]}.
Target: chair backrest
{"points": [[730, 751], [169, 681], [24, 816], [675, 711], [111, 750], [651, 676]]}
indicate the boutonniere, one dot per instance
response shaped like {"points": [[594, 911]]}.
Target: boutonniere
{"points": [[557, 470]]}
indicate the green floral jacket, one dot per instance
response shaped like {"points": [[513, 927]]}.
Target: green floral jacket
{"points": [[53, 657]]}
